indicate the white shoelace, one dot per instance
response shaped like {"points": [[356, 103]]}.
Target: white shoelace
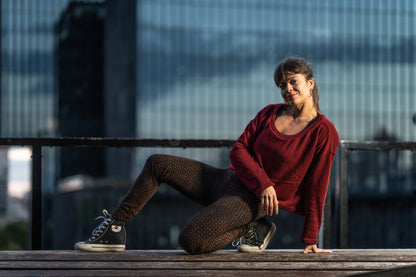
{"points": [[249, 238], [100, 228]]}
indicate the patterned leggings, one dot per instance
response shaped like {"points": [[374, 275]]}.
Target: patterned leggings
{"points": [[229, 207]]}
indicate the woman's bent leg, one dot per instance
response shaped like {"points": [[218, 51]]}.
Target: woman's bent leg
{"points": [[198, 181], [222, 222]]}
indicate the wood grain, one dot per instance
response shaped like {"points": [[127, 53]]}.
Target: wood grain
{"points": [[344, 262]]}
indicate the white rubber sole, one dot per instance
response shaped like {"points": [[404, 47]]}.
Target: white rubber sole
{"points": [[245, 248], [89, 247]]}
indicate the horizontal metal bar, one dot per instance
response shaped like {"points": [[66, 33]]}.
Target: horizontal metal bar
{"points": [[183, 143], [134, 142], [118, 142], [378, 145]]}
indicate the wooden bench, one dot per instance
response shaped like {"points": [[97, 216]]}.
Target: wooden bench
{"points": [[221, 263]]}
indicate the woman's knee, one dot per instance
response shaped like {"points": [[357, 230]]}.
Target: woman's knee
{"points": [[155, 159], [157, 163], [192, 243]]}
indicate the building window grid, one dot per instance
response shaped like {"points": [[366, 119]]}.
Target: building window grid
{"points": [[347, 35], [397, 17]]}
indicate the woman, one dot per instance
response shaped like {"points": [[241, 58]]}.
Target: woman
{"points": [[283, 158]]}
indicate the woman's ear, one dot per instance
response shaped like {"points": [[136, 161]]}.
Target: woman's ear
{"points": [[311, 83]]}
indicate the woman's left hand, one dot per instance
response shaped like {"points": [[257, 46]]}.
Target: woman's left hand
{"points": [[269, 201], [313, 248]]}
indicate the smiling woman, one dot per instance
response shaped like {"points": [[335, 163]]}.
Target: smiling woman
{"points": [[283, 167], [296, 71]]}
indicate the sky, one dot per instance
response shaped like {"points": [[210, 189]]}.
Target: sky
{"points": [[19, 171]]}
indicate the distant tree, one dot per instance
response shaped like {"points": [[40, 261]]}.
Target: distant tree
{"points": [[13, 236], [384, 135]]}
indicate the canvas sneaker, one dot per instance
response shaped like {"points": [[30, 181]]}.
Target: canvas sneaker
{"points": [[110, 235], [258, 237]]}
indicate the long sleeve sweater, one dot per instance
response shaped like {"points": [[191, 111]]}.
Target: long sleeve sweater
{"points": [[297, 166]]}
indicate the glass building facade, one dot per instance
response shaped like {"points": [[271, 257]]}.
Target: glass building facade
{"points": [[204, 68], [211, 63]]}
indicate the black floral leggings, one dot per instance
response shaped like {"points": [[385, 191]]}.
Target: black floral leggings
{"points": [[230, 208]]}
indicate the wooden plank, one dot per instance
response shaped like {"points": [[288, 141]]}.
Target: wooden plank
{"points": [[396, 272], [205, 265], [221, 263], [183, 272], [347, 255]]}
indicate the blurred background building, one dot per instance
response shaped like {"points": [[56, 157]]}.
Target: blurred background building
{"points": [[201, 69], [80, 70]]}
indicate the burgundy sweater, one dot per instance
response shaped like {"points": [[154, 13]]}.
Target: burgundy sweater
{"points": [[297, 166]]}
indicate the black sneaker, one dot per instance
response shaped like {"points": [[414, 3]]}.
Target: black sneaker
{"points": [[258, 237], [110, 235]]}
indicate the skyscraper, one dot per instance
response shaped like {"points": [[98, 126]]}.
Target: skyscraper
{"points": [[96, 84], [120, 83], [80, 56]]}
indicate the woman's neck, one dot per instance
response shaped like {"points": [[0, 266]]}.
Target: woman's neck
{"points": [[305, 112]]}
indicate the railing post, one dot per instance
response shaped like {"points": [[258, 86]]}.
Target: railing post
{"points": [[343, 197], [36, 220], [328, 218]]}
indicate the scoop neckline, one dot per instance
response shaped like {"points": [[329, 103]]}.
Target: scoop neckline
{"points": [[280, 134]]}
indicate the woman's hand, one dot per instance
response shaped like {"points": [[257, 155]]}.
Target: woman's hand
{"points": [[269, 201], [313, 248]]}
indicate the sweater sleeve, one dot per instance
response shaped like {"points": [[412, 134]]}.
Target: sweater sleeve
{"points": [[316, 183], [243, 160]]}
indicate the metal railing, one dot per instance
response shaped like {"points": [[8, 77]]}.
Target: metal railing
{"points": [[37, 143], [341, 184]]}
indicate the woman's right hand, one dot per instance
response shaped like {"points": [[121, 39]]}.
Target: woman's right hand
{"points": [[269, 201]]}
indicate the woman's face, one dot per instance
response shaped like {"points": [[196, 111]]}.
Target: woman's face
{"points": [[296, 90]]}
